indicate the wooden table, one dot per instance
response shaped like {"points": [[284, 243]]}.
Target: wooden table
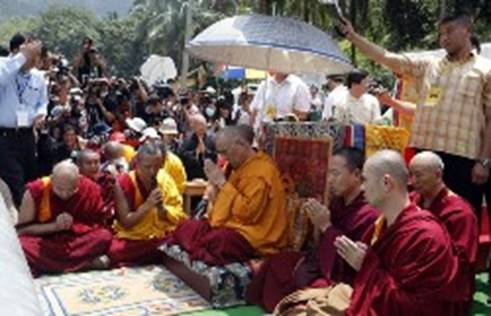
{"points": [[193, 188]]}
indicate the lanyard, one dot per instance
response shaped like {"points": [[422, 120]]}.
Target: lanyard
{"points": [[22, 83]]}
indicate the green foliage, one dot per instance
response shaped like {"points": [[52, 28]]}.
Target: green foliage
{"points": [[16, 24], [62, 29]]}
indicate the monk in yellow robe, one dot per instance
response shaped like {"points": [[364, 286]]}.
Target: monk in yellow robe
{"points": [[248, 214], [148, 208]]}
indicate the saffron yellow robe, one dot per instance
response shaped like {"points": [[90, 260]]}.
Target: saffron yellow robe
{"points": [[152, 226], [174, 167], [253, 203]]}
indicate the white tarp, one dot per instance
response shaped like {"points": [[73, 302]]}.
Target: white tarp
{"points": [[157, 68], [17, 295]]}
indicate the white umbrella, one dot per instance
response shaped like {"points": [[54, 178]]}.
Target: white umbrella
{"points": [[270, 43], [157, 68]]}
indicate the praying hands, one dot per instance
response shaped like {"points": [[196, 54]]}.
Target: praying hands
{"points": [[352, 252]]}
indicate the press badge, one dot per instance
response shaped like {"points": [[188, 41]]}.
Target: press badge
{"points": [[434, 95], [22, 118]]}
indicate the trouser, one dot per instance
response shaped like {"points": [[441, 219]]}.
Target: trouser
{"points": [[457, 175], [17, 159]]}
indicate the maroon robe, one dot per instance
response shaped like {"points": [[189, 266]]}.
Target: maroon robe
{"points": [[286, 272], [460, 220], [125, 252], [77, 247], [213, 246], [106, 182], [411, 269]]}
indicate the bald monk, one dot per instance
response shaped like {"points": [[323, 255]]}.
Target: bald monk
{"points": [[89, 163], [431, 193], [248, 216], [406, 263], [60, 222], [174, 166], [148, 208], [348, 214], [115, 159]]}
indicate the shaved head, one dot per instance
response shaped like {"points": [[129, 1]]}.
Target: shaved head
{"points": [[235, 144], [85, 155], [241, 132], [426, 170], [65, 170], [65, 179], [429, 160], [89, 162], [389, 162], [113, 150]]}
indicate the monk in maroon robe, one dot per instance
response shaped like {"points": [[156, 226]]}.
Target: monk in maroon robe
{"points": [[60, 222], [410, 267], [89, 163], [348, 214], [431, 193]]}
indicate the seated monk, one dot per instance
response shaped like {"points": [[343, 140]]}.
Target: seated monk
{"points": [[60, 222], [431, 193], [148, 208], [174, 166], [406, 263], [348, 214], [248, 215], [89, 164], [115, 161]]}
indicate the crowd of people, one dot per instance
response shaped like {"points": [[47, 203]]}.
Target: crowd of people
{"points": [[97, 168]]}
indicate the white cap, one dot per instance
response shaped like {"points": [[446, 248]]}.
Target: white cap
{"points": [[149, 133], [137, 124], [168, 127]]}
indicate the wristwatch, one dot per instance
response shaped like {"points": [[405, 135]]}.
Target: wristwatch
{"points": [[485, 162]]}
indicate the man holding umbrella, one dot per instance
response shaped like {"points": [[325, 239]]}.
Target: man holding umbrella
{"points": [[278, 96]]}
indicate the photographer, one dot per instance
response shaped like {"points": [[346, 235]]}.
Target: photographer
{"points": [[88, 63]]}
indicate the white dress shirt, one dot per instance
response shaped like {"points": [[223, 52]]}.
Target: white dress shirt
{"points": [[275, 100], [332, 99], [21, 92], [348, 109]]}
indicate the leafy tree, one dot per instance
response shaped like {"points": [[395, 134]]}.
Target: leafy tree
{"points": [[62, 29]]}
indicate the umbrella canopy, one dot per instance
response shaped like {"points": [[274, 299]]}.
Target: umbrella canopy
{"points": [[270, 43], [157, 68]]}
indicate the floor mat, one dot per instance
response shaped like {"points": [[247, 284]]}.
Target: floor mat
{"points": [[140, 291]]}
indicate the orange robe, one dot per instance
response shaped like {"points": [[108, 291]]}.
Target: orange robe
{"points": [[138, 244], [248, 217], [75, 248]]}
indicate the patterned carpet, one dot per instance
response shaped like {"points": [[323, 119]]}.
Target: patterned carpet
{"points": [[153, 290], [143, 291]]}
